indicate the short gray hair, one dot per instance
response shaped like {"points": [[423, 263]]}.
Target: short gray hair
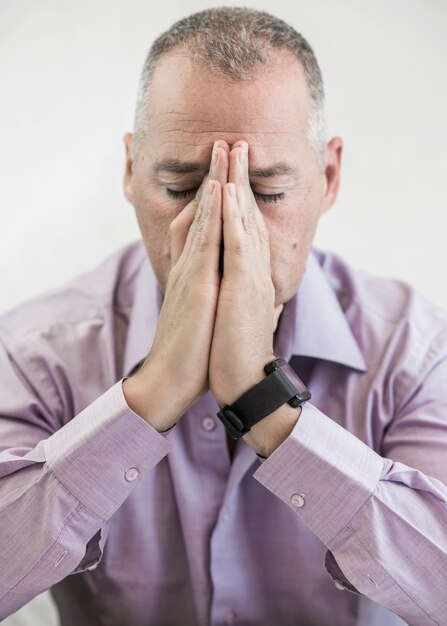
{"points": [[235, 42]]}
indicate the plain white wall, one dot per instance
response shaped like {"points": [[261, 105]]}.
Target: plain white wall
{"points": [[68, 80]]}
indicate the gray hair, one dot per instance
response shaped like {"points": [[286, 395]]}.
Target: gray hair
{"points": [[236, 43]]}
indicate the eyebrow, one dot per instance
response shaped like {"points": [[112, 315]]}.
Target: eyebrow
{"points": [[277, 169], [175, 166]]}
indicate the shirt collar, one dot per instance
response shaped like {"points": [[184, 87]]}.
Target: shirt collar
{"points": [[312, 323], [144, 314]]}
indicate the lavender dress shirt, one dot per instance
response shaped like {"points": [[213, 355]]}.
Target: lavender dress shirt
{"points": [[131, 527]]}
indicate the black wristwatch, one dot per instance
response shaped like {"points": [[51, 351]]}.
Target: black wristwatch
{"points": [[281, 385]]}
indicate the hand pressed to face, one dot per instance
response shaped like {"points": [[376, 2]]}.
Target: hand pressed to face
{"points": [[182, 343], [243, 330]]}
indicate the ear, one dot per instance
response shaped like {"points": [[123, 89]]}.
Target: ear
{"points": [[128, 138], [331, 173]]}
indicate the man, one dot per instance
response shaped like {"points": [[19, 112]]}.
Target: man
{"points": [[121, 489]]}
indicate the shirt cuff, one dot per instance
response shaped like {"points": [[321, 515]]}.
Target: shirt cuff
{"points": [[101, 454], [323, 472], [334, 571]]}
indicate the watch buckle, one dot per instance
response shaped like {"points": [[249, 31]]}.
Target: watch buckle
{"points": [[232, 422]]}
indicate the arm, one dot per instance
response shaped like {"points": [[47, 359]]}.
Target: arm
{"points": [[382, 518], [60, 485], [62, 476]]}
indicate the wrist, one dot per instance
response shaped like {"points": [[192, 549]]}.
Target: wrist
{"points": [[152, 400], [268, 434], [266, 413], [242, 384]]}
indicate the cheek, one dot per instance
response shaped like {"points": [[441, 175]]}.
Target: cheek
{"points": [[291, 227], [287, 225], [155, 212]]}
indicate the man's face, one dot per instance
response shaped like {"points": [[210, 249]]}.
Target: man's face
{"points": [[189, 108]]}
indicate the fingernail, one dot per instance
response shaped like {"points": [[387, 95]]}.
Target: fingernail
{"points": [[211, 185], [215, 154], [243, 153], [232, 189]]}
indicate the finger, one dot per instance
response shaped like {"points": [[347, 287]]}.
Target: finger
{"points": [[238, 174], [219, 162], [238, 143], [202, 188], [234, 235], [238, 169], [180, 226], [263, 235], [206, 230]]}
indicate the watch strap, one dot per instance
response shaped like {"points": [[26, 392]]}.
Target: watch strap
{"points": [[264, 398]]}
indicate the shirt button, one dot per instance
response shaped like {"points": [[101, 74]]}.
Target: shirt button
{"points": [[297, 500], [131, 474], [230, 617], [339, 585], [208, 423]]}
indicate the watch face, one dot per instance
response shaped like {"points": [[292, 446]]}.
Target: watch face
{"points": [[290, 373], [303, 391]]}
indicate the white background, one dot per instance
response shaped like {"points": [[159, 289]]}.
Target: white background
{"points": [[68, 80]]}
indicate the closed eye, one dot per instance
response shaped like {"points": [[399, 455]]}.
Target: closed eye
{"points": [[180, 194], [264, 197]]}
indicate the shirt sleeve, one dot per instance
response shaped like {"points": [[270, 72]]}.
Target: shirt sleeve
{"points": [[382, 518], [60, 486]]}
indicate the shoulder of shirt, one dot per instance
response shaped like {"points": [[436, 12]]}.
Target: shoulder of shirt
{"points": [[89, 297], [379, 308]]}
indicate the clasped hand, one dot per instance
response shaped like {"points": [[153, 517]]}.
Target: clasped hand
{"points": [[215, 330]]}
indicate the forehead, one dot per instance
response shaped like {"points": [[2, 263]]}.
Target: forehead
{"points": [[190, 107]]}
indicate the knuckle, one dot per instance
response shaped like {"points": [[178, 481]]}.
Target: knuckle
{"points": [[201, 217], [198, 226], [240, 246], [235, 213], [203, 240], [244, 184], [198, 215], [249, 223]]}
